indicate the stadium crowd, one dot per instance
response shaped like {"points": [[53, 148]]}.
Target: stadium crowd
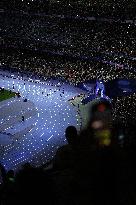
{"points": [[108, 8], [71, 70], [103, 42], [107, 41]]}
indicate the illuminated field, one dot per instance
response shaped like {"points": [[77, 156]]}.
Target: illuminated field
{"points": [[47, 113]]}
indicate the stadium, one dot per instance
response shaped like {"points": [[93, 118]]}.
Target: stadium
{"points": [[67, 64]]}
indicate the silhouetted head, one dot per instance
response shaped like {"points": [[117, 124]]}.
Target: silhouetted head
{"points": [[10, 173], [71, 134]]}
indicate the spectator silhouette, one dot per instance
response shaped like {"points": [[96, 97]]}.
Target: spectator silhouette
{"points": [[34, 186], [66, 155], [64, 162]]}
